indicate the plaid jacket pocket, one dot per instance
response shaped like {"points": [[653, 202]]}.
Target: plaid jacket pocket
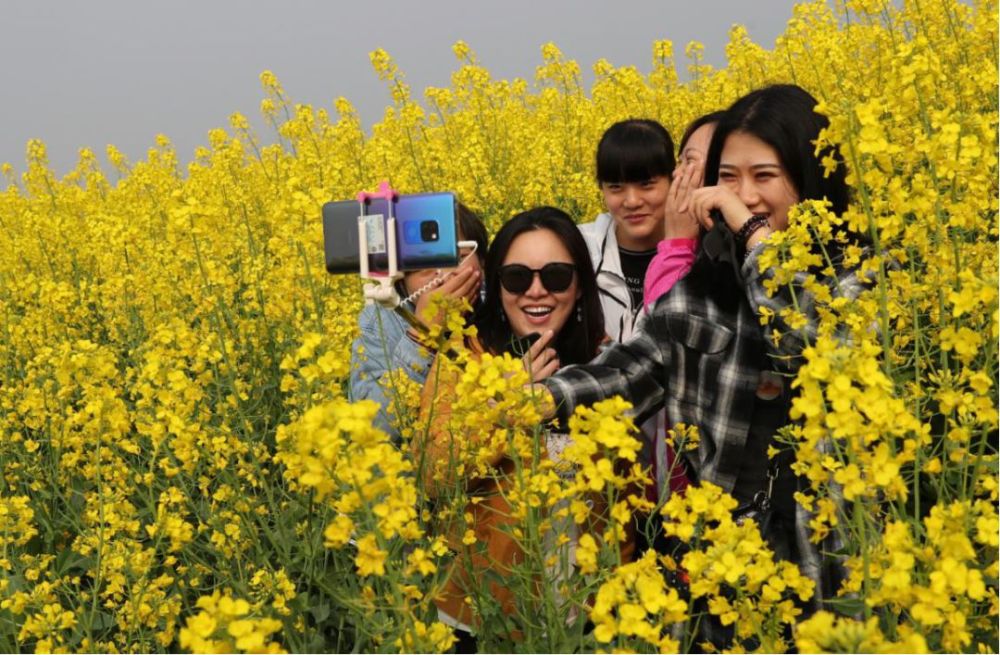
{"points": [[699, 333], [699, 354]]}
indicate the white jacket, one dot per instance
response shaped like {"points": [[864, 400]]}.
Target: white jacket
{"points": [[621, 320], [620, 317]]}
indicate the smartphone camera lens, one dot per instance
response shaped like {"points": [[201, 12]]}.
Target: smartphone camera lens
{"points": [[429, 231]]}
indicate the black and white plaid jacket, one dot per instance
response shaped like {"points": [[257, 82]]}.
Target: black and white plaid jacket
{"points": [[700, 361], [703, 363]]}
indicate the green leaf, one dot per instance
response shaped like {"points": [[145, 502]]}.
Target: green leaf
{"points": [[320, 612]]}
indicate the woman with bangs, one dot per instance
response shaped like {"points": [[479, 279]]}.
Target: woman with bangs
{"points": [[635, 165], [643, 244]]}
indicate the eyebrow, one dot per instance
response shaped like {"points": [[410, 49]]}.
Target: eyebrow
{"points": [[754, 167]]}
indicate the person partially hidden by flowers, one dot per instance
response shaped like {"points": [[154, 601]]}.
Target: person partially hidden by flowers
{"points": [[539, 284], [642, 245], [703, 353], [387, 353]]}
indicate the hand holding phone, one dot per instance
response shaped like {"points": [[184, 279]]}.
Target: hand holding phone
{"points": [[541, 361], [463, 282]]}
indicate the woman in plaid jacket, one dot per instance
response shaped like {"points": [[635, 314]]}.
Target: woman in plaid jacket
{"points": [[702, 353]]}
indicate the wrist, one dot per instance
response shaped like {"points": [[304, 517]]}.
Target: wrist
{"points": [[671, 230], [749, 233], [688, 243], [757, 237]]}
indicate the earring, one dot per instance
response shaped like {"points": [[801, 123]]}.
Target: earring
{"points": [[503, 316], [579, 313]]}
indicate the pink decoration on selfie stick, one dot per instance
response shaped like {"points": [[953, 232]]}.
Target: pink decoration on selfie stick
{"points": [[384, 191]]}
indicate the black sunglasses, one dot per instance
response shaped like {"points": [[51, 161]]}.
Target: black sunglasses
{"points": [[555, 277]]}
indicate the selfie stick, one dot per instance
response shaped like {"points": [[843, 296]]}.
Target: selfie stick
{"points": [[382, 286]]}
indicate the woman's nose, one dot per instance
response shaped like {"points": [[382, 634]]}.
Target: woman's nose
{"points": [[632, 198], [748, 194], [536, 289]]}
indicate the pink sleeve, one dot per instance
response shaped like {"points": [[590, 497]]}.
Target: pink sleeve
{"points": [[671, 262]]}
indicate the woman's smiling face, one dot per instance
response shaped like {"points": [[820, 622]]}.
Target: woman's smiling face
{"points": [[537, 309], [753, 171], [639, 209]]}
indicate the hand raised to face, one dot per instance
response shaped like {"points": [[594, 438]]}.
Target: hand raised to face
{"points": [[463, 282], [680, 223]]}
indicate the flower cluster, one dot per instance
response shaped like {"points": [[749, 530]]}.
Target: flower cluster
{"points": [[226, 625], [351, 465], [635, 606], [827, 633], [733, 569]]}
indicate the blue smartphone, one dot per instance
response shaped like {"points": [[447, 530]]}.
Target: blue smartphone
{"points": [[426, 231]]}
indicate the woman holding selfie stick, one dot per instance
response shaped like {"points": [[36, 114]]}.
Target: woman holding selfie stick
{"points": [[387, 349], [538, 281], [703, 353]]}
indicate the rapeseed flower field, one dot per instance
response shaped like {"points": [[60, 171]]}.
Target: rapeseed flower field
{"points": [[182, 470]]}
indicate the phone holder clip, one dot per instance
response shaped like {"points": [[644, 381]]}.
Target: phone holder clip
{"points": [[381, 287]]}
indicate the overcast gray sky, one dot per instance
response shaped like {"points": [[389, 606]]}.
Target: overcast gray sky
{"points": [[121, 71]]}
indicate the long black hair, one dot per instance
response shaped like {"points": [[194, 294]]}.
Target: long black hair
{"points": [[635, 150], [577, 341], [783, 116]]}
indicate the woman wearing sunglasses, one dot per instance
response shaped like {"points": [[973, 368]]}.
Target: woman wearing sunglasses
{"points": [[539, 281]]}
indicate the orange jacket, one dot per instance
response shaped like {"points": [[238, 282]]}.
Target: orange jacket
{"points": [[431, 451], [491, 512]]}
